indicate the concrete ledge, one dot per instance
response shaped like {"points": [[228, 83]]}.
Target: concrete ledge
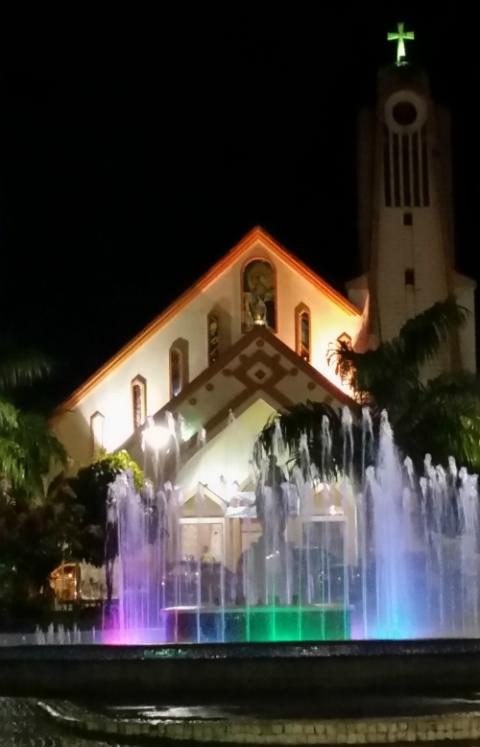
{"points": [[452, 726], [227, 671]]}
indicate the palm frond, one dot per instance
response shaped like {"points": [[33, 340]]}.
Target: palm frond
{"points": [[8, 415], [387, 375], [443, 417], [372, 374], [303, 424], [42, 450], [20, 366], [420, 338], [28, 450], [12, 461]]}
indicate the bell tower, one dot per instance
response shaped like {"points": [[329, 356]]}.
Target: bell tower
{"points": [[406, 210]]}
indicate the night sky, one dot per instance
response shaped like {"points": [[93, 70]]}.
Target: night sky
{"points": [[128, 144]]}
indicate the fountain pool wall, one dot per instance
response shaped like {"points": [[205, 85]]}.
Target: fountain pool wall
{"points": [[197, 673]]}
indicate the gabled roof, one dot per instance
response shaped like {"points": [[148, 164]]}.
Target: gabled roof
{"points": [[259, 364], [256, 234]]}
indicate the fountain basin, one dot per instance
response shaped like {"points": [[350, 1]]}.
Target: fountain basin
{"points": [[219, 671], [257, 624]]}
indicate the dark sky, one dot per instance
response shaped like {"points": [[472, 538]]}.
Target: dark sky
{"points": [[136, 150]]}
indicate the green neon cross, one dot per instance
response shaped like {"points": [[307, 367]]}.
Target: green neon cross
{"points": [[400, 36]]}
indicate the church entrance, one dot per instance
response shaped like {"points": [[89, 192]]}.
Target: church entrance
{"points": [[202, 561]]}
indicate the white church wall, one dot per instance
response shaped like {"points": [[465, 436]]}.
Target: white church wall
{"points": [[111, 396], [418, 247], [225, 459], [327, 320]]}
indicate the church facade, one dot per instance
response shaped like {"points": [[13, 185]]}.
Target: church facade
{"points": [[252, 336], [256, 328], [248, 340]]}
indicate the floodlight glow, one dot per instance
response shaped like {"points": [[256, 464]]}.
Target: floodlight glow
{"points": [[156, 437]]}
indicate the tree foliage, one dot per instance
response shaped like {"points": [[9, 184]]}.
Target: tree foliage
{"points": [[440, 415], [30, 527], [28, 448], [90, 487]]}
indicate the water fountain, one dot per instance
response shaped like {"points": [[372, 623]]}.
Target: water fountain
{"points": [[393, 557]]}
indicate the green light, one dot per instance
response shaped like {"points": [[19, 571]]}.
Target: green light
{"points": [[401, 36], [309, 623], [255, 624]]}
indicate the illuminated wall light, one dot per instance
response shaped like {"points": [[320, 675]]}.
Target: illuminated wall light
{"points": [[156, 437]]}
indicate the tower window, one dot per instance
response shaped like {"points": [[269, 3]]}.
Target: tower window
{"points": [[406, 170], [396, 169], [416, 169], [139, 401], [425, 176], [410, 276], [303, 332], [407, 219], [386, 167]]}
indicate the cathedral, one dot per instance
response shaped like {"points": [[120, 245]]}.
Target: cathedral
{"points": [[251, 337]]}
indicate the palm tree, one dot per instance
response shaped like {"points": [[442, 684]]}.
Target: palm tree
{"points": [[27, 445], [441, 415], [20, 366], [31, 528]]}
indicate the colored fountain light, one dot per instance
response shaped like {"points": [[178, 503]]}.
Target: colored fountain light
{"points": [[389, 555]]}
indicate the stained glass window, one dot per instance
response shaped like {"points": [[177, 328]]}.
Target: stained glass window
{"points": [[213, 338], [176, 378], [303, 332], [139, 404], [259, 295]]}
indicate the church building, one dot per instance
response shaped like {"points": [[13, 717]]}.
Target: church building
{"points": [[252, 336]]}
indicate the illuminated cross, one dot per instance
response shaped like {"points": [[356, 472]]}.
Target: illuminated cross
{"points": [[400, 36]]}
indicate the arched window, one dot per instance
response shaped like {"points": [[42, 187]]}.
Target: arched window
{"points": [[213, 331], [139, 401], [259, 295], [176, 382], [303, 332], [96, 431], [178, 366]]}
